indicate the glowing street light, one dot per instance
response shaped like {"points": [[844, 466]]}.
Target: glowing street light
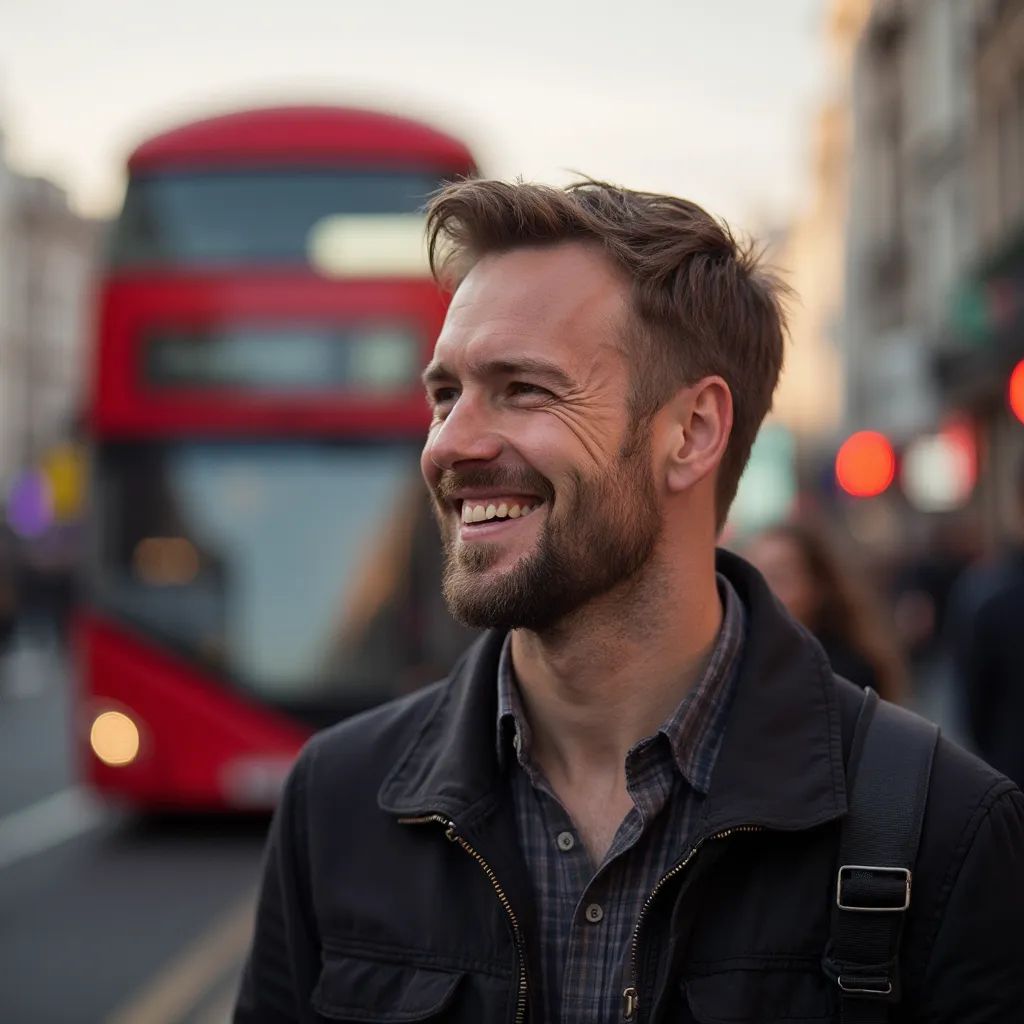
{"points": [[1015, 392], [865, 464]]}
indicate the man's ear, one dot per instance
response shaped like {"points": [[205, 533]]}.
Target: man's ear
{"points": [[700, 415]]}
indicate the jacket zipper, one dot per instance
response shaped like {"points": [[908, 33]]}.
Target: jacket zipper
{"points": [[630, 995], [452, 836]]}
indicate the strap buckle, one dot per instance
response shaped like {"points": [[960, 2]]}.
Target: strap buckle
{"points": [[872, 981], [887, 873], [874, 986]]}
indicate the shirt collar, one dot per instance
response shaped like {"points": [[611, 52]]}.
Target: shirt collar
{"points": [[513, 727], [693, 730]]}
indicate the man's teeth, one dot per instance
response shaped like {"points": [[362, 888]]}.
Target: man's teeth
{"points": [[481, 513]]}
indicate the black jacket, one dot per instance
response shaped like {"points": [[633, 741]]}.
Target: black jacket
{"points": [[395, 890]]}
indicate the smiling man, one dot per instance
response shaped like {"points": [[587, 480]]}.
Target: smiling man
{"points": [[628, 800]]}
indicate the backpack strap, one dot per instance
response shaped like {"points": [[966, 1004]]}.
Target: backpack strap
{"points": [[889, 769]]}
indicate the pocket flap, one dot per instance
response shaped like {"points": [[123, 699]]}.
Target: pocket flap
{"points": [[760, 994], [352, 988]]}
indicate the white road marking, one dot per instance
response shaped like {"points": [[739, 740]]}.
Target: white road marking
{"points": [[47, 823], [181, 986]]}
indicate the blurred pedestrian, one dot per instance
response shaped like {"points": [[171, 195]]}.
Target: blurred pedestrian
{"points": [[986, 636], [834, 600], [921, 582], [510, 844]]}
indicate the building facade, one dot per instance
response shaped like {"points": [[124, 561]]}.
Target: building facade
{"points": [[48, 260], [985, 339], [910, 231], [809, 398], [933, 318], [809, 254]]}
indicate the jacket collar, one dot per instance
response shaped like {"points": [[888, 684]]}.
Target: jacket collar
{"points": [[781, 761]]}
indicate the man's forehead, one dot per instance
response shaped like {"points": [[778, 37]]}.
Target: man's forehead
{"points": [[566, 293], [555, 277]]}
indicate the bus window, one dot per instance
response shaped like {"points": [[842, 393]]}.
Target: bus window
{"points": [[242, 218], [375, 358]]}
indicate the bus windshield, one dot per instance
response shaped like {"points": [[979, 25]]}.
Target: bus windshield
{"points": [[306, 573], [249, 218]]}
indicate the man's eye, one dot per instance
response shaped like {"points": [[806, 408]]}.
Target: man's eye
{"points": [[442, 396], [522, 387]]}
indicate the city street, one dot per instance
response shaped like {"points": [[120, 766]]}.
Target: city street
{"points": [[105, 917], [316, 364]]}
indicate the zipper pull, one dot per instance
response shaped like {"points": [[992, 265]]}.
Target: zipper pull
{"points": [[630, 1003]]}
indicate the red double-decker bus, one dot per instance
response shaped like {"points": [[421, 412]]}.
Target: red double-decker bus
{"points": [[261, 560]]}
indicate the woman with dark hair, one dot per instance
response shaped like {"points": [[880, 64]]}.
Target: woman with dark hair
{"points": [[808, 575]]}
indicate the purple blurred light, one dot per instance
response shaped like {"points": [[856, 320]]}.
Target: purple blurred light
{"points": [[29, 505]]}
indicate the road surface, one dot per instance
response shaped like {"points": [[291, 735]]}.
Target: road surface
{"points": [[106, 917]]}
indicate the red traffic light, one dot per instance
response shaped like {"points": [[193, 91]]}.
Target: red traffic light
{"points": [[1015, 393], [865, 464]]}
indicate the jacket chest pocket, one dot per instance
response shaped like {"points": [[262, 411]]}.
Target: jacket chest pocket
{"points": [[354, 989], [764, 994]]}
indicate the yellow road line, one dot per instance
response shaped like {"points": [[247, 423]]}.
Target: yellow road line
{"points": [[220, 1010], [180, 986]]}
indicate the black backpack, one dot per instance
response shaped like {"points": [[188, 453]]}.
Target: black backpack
{"points": [[887, 782]]}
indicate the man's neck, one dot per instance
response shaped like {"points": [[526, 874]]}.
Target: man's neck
{"points": [[602, 682]]}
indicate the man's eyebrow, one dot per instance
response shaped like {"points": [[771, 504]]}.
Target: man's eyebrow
{"points": [[528, 365], [436, 372]]}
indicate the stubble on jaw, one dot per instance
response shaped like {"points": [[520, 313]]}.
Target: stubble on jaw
{"points": [[602, 539]]}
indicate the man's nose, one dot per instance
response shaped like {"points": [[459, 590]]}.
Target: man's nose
{"points": [[467, 434]]}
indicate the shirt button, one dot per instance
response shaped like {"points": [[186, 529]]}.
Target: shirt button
{"points": [[594, 913], [565, 841]]}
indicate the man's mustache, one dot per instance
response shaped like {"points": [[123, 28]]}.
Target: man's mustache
{"points": [[514, 479]]}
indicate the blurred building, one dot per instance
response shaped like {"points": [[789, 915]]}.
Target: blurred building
{"points": [[910, 234], [985, 340], [48, 256], [809, 401], [797, 439], [933, 317]]}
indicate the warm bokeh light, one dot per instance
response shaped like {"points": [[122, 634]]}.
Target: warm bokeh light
{"points": [[1016, 391], [114, 738], [959, 433], [940, 470], [64, 469], [166, 561], [865, 464]]}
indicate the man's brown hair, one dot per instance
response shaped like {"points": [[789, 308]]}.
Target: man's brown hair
{"points": [[702, 302]]}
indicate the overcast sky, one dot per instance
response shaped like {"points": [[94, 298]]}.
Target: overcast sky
{"points": [[711, 99]]}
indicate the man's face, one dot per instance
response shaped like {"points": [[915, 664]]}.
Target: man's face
{"points": [[544, 499]]}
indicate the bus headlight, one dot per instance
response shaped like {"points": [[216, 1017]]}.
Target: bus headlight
{"points": [[114, 738]]}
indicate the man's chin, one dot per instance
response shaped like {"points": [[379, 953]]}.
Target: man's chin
{"points": [[479, 614], [483, 599]]}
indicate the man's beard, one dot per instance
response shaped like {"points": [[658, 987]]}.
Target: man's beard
{"points": [[603, 536]]}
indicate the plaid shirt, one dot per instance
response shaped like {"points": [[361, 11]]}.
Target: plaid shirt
{"points": [[586, 916]]}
